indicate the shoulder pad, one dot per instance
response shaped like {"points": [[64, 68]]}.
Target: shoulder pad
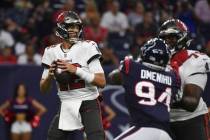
{"points": [[52, 46], [90, 42]]}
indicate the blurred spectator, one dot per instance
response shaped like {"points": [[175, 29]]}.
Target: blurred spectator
{"points": [[69, 5], [23, 4], [50, 39], [20, 12], [99, 34], [6, 57], [156, 6], [108, 56], [208, 48], [19, 113], [136, 15], [22, 39], [197, 43], [19, 48], [202, 11], [164, 15], [30, 56], [27, 19], [143, 32], [22, 9], [94, 31], [146, 30], [89, 13], [12, 27], [42, 17], [6, 3], [101, 5], [185, 13], [114, 20], [6, 39]]}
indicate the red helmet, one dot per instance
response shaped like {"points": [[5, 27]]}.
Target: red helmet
{"points": [[64, 21], [177, 29]]}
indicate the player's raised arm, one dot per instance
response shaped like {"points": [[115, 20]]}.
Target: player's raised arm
{"points": [[114, 77]]}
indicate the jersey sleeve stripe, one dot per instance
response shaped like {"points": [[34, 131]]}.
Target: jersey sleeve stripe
{"points": [[45, 65], [127, 65], [93, 57], [197, 73]]}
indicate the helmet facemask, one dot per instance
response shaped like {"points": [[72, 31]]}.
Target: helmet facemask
{"points": [[175, 33], [66, 27]]}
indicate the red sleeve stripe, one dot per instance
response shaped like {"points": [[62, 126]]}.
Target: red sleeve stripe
{"points": [[127, 65]]}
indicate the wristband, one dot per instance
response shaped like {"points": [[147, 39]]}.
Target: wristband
{"points": [[89, 77]]}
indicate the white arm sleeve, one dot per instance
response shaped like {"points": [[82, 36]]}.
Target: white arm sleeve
{"points": [[95, 66], [197, 79], [45, 73], [195, 70]]}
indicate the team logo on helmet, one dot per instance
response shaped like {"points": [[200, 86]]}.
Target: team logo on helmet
{"points": [[175, 28], [64, 21], [156, 52]]}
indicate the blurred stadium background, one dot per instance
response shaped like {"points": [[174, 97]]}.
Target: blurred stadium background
{"points": [[27, 27]]}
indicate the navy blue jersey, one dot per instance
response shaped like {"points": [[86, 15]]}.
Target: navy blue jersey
{"points": [[25, 107], [148, 93]]}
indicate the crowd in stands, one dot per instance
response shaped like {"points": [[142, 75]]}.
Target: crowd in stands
{"points": [[119, 27]]}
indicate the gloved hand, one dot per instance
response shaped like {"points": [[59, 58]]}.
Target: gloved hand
{"points": [[106, 123], [176, 100], [35, 121], [8, 116]]}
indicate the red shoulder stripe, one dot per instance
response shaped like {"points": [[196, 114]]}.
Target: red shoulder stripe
{"points": [[178, 59], [127, 65]]}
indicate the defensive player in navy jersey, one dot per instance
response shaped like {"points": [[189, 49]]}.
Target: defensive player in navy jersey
{"points": [[150, 87]]}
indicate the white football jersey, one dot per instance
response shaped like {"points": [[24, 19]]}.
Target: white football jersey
{"points": [[81, 54], [193, 71]]}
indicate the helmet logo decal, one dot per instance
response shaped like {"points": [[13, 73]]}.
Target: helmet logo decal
{"points": [[60, 18], [65, 21], [181, 26], [155, 51]]}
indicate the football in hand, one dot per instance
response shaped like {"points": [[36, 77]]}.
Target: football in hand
{"points": [[62, 77]]}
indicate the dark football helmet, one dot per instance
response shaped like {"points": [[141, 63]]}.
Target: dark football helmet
{"points": [[176, 34], [64, 21], [156, 52]]}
